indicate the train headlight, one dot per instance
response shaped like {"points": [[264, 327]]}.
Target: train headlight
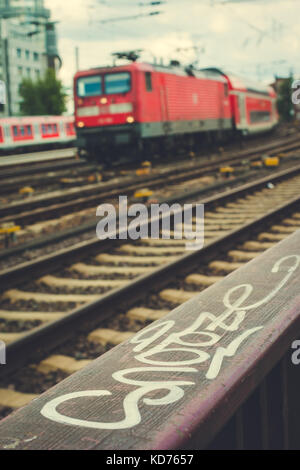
{"points": [[103, 100], [130, 119], [80, 124]]}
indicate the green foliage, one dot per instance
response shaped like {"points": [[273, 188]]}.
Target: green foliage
{"points": [[45, 96], [284, 100]]}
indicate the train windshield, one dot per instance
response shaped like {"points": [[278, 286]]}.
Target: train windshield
{"points": [[89, 86], [117, 83]]}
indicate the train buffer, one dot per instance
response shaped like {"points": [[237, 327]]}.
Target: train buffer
{"points": [[220, 371]]}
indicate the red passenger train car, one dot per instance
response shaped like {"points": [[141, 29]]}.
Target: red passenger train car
{"points": [[35, 132], [142, 104]]}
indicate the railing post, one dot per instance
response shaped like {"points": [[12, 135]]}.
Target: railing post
{"points": [[2, 353]]}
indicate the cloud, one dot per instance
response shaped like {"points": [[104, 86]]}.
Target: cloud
{"points": [[258, 38]]}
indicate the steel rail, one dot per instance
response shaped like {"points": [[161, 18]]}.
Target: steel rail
{"points": [[93, 192], [89, 226], [86, 317]]}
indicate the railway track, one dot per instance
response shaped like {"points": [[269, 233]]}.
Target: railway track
{"points": [[60, 218], [26, 161], [87, 195], [82, 302], [76, 173]]}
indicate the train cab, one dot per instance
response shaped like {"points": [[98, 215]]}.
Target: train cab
{"points": [[105, 106]]}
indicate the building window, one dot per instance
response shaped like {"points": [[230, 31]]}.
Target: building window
{"points": [[27, 54], [20, 70], [35, 56], [28, 72], [19, 53], [37, 73]]}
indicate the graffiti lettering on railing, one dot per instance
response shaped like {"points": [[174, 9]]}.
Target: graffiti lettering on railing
{"points": [[174, 353]]}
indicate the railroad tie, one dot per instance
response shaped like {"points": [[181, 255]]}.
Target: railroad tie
{"points": [[202, 280], [224, 228], [99, 270], [237, 255], [139, 260], [14, 295], [156, 251], [284, 229], [272, 236], [13, 399], [53, 281], [232, 217], [245, 205], [31, 316], [291, 222], [41, 226], [106, 336], [210, 230], [146, 314], [259, 246], [177, 296], [249, 210], [178, 233], [213, 225], [191, 229], [66, 364], [162, 242], [9, 338], [224, 266]]}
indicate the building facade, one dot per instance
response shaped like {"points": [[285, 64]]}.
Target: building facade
{"points": [[28, 47]]}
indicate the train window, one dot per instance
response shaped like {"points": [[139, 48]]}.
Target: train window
{"points": [[260, 116], [148, 80], [117, 83], [70, 128], [15, 131], [22, 130], [225, 90], [28, 130], [49, 129], [89, 86]]}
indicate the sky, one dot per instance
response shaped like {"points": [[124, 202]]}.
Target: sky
{"points": [[252, 38]]}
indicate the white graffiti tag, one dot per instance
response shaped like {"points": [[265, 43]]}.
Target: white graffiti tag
{"points": [[188, 348]]}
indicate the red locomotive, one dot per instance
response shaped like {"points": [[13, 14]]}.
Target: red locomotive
{"points": [[144, 105]]}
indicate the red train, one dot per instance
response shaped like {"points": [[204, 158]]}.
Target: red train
{"points": [[144, 104], [33, 132]]}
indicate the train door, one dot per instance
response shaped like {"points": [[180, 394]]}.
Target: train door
{"points": [[223, 93], [242, 109], [164, 105]]}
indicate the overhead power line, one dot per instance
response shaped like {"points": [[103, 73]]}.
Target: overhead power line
{"points": [[133, 17]]}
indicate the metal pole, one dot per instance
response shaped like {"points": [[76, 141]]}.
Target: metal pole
{"points": [[77, 58]]}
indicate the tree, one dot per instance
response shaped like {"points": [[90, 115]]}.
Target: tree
{"points": [[45, 96], [284, 100]]}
